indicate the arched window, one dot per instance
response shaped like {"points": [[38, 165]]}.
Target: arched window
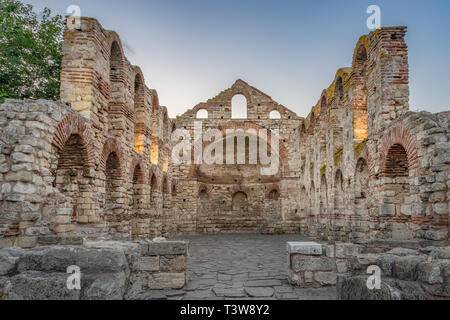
{"points": [[153, 188], [239, 107], [174, 190], [155, 100], [166, 125], [396, 189], [360, 126], [116, 101], [112, 183], [137, 187], [70, 173], [362, 192], [312, 200], [139, 105], [338, 192], [203, 193], [165, 193], [303, 205], [323, 105], [240, 202], [275, 115], [165, 189], [361, 180], [154, 151], [339, 89], [202, 114], [323, 195]]}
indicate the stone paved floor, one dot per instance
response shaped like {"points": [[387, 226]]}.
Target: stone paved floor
{"points": [[241, 267]]}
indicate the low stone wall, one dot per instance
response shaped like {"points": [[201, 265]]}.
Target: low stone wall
{"points": [[411, 272], [406, 274], [312, 264], [109, 270]]}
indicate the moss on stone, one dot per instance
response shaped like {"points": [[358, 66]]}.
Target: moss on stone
{"points": [[338, 156], [359, 147], [323, 169]]}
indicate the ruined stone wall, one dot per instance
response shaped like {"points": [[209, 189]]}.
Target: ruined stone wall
{"points": [[86, 166], [128, 124], [358, 167], [228, 198], [409, 270], [108, 270], [406, 274], [370, 168]]}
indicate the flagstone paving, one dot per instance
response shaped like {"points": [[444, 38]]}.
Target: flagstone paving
{"points": [[223, 267]]}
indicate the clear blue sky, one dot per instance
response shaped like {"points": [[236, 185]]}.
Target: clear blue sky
{"points": [[190, 50]]}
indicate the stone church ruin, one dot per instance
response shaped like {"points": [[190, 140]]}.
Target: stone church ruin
{"points": [[360, 168]]}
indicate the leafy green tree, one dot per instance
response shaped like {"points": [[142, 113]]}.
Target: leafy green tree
{"points": [[30, 52]]}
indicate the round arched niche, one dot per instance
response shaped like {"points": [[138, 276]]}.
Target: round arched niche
{"points": [[244, 164]]}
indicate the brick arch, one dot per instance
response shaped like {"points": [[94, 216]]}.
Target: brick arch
{"points": [[165, 116], [399, 135], [362, 45], [283, 153], [201, 108], [339, 88], [155, 100], [138, 83], [138, 72], [135, 163], [272, 188], [311, 122], [74, 124], [240, 91], [235, 189], [165, 186], [174, 187], [205, 188], [114, 38], [111, 146], [323, 103], [360, 91], [343, 74], [153, 173], [276, 109], [303, 127]]}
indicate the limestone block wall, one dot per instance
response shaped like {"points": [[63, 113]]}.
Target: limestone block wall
{"points": [[312, 264], [406, 274], [31, 206], [108, 270]]}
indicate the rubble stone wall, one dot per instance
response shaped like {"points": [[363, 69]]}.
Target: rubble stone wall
{"points": [[409, 270], [406, 274], [360, 166], [316, 265], [108, 270]]}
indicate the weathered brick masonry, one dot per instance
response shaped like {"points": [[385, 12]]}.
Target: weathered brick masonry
{"points": [[359, 166]]}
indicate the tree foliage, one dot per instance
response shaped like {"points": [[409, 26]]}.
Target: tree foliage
{"points": [[30, 52]]}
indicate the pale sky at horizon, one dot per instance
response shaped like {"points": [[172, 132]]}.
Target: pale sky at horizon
{"points": [[191, 50]]}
